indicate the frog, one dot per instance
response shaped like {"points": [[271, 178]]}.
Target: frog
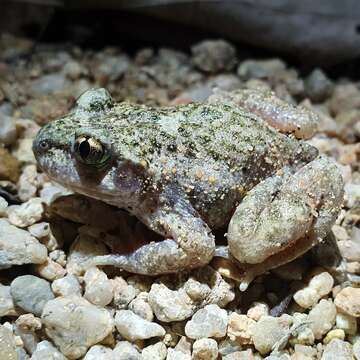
{"points": [[239, 160]]}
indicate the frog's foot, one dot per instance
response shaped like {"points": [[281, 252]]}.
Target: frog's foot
{"points": [[152, 259], [284, 216], [191, 244], [279, 114]]}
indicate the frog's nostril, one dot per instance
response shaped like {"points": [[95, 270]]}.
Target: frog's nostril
{"points": [[43, 145]]}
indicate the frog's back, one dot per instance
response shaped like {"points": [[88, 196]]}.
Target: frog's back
{"points": [[214, 152]]}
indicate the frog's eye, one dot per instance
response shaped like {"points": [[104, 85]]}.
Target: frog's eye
{"points": [[90, 151]]}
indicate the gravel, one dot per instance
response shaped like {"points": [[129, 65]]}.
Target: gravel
{"points": [[51, 309], [132, 327], [69, 323], [31, 293], [211, 321]]}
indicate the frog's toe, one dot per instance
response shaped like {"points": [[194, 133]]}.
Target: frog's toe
{"points": [[104, 260]]}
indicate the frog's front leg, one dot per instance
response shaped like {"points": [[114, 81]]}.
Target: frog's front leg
{"points": [[284, 216], [189, 242]]}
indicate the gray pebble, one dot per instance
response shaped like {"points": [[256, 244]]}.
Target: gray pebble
{"points": [[31, 293]]}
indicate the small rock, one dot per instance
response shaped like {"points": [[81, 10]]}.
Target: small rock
{"points": [[8, 132], [99, 352], [205, 349], [28, 322], [239, 328], [6, 302], [303, 334], [211, 321], [132, 327], [58, 256], [111, 68], [123, 292], [7, 344], [9, 166], [28, 183], [318, 87], [214, 56], [352, 194], [347, 323], [348, 301], [169, 305], [26, 214], [48, 84], [141, 307], [18, 247], [48, 107], [338, 349], [31, 293], [356, 349], [334, 334], [40, 230], [126, 351], [98, 288], [344, 97], [74, 70], [3, 206], [260, 69], [322, 318], [240, 355], [307, 351], [267, 332], [157, 351], [50, 192], [177, 355], [45, 350], [50, 270], [319, 286], [23, 151], [74, 324], [68, 285], [257, 310]]}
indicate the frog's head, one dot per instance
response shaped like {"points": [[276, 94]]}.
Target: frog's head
{"points": [[77, 150]]}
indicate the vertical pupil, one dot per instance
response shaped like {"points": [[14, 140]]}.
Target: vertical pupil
{"points": [[84, 149]]}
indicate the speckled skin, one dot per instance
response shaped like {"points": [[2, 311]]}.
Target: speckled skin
{"points": [[184, 170]]}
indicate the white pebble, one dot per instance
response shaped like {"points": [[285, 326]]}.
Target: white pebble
{"points": [[3, 206], [157, 351], [19, 247], [40, 230], [99, 352], [211, 321], [74, 324], [98, 288], [126, 351], [26, 214], [46, 350], [322, 318], [205, 349], [347, 323], [28, 183], [141, 307], [68, 285], [319, 286], [170, 305], [132, 327]]}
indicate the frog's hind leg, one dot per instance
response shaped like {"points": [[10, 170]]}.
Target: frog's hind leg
{"points": [[191, 244], [285, 117], [284, 216]]}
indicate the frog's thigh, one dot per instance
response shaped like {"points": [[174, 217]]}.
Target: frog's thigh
{"points": [[281, 218], [276, 112]]}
